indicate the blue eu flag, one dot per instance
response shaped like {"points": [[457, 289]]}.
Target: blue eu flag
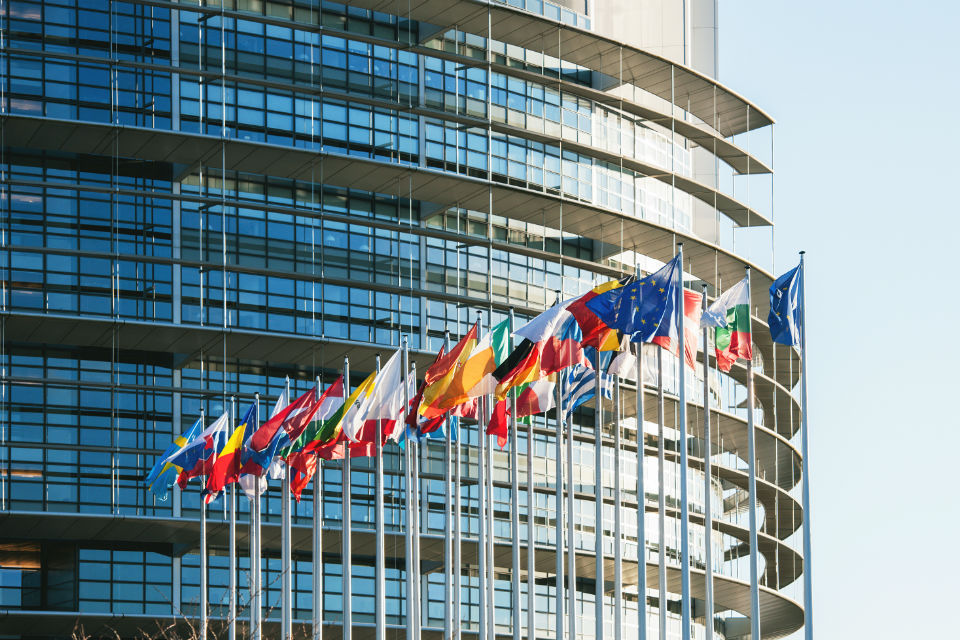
{"points": [[643, 308], [786, 306]]}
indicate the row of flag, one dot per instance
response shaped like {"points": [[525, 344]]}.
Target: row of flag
{"points": [[571, 339]]}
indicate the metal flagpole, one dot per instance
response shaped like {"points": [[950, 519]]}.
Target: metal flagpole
{"points": [[203, 552], [380, 569], [531, 538], [482, 501], [685, 602], [571, 533], [232, 537], [617, 505], [559, 510], [255, 548], [419, 514], [346, 525], [514, 502], [661, 499], [457, 629], [752, 484], [804, 473], [491, 575], [449, 558], [598, 502], [408, 537], [641, 506], [707, 453], [318, 543], [285, 576], [415, 521]]}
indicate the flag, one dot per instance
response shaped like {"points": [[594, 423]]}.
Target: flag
{"points": [[499, 423], [786, 307], [581, 387], [254, 464], [644, 307], [443, 365], [596, 333], [520, 367], [383, 407], [624, 364], [164, 474], [355, 408], [443, 392], [545, 324], [412, 423], [730, 314], [537, 397], [562, 348], [322, 428], [293, 419], [489, 352], [226, 467], [465, 410], [386, 399], [196, 457], [692, 308]]}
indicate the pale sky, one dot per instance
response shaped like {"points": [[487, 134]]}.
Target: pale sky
{"points": [[866, 97]]}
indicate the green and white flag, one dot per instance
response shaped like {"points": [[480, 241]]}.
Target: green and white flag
{"points": [[730, 314]]}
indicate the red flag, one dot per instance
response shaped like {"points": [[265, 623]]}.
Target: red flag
{"points": [[691, 326], [466, 410], [562, 349], [431, 424], [596, 333], [444, 363], [498, 425], [290, 418]]}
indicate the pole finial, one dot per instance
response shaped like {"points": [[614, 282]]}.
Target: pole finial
{"points": [[802, 252]]}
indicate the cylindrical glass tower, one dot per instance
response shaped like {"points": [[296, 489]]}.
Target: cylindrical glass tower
{"points": [[200, 199]]}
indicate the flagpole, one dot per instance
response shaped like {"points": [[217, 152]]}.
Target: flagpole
{"points": [[203, 551], [491, 526], [531, 538], [641, 506], [318, 543], [449, 558], [661, 499], [707, 489], [752, 484], [346, 525], [456, 551], [559, 511], [804, 474], [598, 502], [514, 501], [617, 505], [415, 472], [685, 603], [408, 537], [255, 608], [232, 629], [380, 569], [482, 502], [571, 528], [285, 576]]}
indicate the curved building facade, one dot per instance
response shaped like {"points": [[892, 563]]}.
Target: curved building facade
{"points": [[201, 199]]}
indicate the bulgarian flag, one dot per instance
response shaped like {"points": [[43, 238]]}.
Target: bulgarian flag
{"points": [[730, 314]]}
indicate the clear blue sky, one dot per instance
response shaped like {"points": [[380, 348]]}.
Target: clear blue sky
{"points": [[866, 96]]}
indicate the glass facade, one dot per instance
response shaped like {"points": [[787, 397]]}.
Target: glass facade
{"points": [[139, 288]]}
